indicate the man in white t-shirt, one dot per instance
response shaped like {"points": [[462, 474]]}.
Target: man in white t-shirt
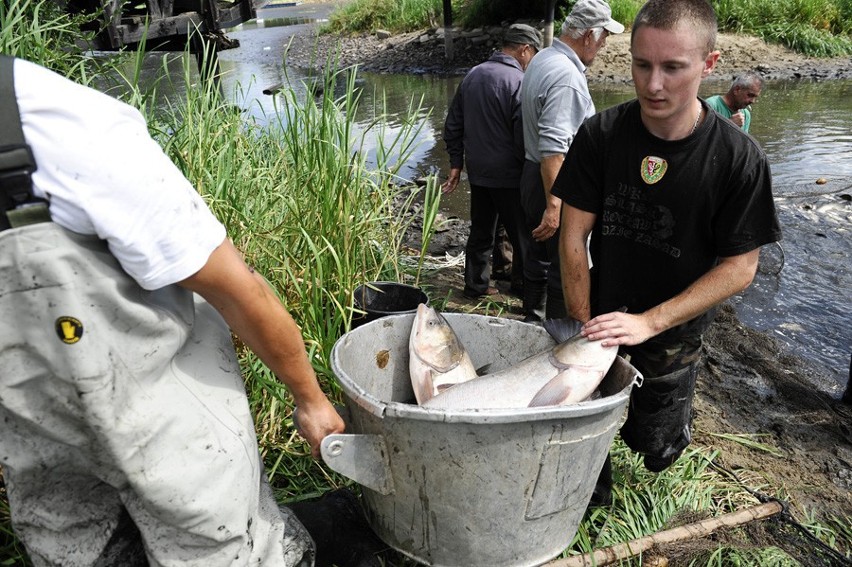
{"points": [[120, 392]]}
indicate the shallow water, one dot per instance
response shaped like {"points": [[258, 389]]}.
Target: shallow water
{"points": [[801, 294]]}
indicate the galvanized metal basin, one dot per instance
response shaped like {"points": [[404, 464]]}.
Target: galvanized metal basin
{"points": [[468, 488]]}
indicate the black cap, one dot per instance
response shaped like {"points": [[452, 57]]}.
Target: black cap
{"points": [[523, 35]]}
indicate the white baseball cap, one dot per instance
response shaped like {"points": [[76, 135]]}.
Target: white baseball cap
{"points": [[588, 14]]}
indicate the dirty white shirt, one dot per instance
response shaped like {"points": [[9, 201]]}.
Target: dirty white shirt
{"points": [[104, 175]]}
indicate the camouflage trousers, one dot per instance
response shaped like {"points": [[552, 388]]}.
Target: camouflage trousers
{"points": [[660, 411]]}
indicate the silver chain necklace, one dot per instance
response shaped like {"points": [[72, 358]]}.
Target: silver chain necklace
{"points": [[697, 118]]}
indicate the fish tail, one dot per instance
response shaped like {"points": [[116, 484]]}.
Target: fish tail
{"points": [[562, 329]]}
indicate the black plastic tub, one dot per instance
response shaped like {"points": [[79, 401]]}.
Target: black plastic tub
{"points": [[379, 299]]}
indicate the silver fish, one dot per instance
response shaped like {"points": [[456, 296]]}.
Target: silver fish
{"points": [[437, 359], [565, 374]]}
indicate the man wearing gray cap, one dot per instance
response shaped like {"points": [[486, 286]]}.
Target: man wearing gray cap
{"points": [[483, 127], [555, 100]]}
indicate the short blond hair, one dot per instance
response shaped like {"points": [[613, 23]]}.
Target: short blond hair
{"points": [[666, 14]]}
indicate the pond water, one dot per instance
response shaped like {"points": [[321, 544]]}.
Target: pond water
{"points": [[802, 292]]}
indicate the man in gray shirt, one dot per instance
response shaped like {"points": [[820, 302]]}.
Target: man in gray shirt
{"points": [[555, 100]]}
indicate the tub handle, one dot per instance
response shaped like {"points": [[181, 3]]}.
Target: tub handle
{"points": [[363, 458]]}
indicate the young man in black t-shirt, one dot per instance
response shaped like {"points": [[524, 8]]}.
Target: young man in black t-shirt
{"points": [[678, 202]]}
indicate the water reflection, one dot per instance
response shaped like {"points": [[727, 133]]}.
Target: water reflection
{"points": [[806, 130]]}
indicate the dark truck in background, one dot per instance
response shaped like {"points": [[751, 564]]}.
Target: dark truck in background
{"points": [[164, 24]]}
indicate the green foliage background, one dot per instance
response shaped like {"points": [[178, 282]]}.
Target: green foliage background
{"points": [[820, 28]]}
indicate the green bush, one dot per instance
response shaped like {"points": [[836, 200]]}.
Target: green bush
{"points": [[820, 28], [391, 15], [815, 27], [474, 13], [806, 39]]}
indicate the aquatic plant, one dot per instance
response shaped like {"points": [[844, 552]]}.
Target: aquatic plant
{"points": [[299, 200], [40, 31]]}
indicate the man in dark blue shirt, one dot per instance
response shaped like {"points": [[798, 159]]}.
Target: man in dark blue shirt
{"points": [[483, 127]]}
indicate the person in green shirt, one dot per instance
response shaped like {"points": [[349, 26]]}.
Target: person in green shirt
{"points": [[735, 104]]}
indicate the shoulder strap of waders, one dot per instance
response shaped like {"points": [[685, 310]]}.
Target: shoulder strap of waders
{"points": [[16, 160]]}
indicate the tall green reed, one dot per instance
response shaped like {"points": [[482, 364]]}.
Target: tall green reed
{"points": [[312, 209], [41, 32]]}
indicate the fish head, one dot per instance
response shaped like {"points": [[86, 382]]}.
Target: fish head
{"points": [[433, 341], [437, 358]]}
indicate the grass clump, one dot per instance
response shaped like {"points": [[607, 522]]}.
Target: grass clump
{"points": [[40, 31], [390, 15], [819, 28], [691, 490], [301, 202]]}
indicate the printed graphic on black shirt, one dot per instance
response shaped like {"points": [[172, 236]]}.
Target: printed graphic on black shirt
{"points": [[628, 214]]}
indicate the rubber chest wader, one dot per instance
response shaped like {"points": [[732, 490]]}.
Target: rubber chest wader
{"points": [[660, 415], [113, 398]]}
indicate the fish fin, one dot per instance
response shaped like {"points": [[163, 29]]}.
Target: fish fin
{"points": [[567, 387], [483, 370], [553, 393], [444, 387], [423, 393], [562, 329]]}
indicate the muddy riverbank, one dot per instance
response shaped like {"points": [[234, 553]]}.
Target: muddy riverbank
{"points": [[422, 52]]}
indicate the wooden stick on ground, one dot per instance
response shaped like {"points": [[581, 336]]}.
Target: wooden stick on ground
{"points": [[622, 551]]}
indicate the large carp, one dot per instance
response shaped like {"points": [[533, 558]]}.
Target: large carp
{"points": [[565, 374], [437, 360]]}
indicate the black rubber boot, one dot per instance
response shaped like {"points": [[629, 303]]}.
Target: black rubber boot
{"points": [[340, 531], [659, 464], [658, 422], [535, 296], [555, 308], [602, 495]]}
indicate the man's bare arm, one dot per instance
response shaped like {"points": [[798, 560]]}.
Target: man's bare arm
{"points": [[550, 166], [574, 261], [256, 315], [732, 275]]}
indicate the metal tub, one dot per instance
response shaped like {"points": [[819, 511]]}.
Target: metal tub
{"points": [[468, 488]]}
